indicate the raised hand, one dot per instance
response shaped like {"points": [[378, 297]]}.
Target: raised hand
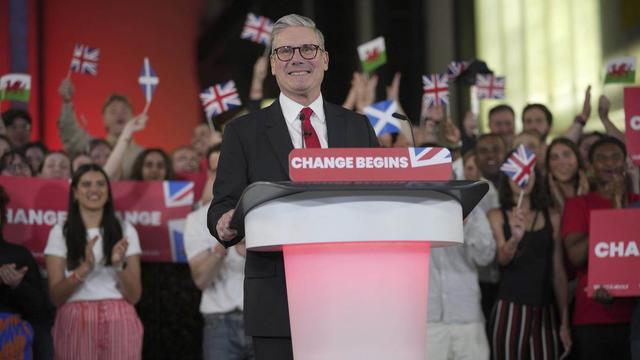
{"points": [[260, 68], [10, 276], [603, 107], [66, 90], [393, 90], [586, 105]]}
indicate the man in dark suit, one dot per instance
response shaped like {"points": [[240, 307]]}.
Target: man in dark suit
{"points": [[256, 148]]}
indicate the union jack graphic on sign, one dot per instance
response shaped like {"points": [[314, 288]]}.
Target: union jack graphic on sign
{"points": [[85, 60], [429, 156], [178, 193], [520, 165]]}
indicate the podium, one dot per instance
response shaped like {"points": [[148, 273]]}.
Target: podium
{"points": [[356, 259]]}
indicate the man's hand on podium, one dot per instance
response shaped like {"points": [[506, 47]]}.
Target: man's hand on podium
{"points": [[225, 232]]}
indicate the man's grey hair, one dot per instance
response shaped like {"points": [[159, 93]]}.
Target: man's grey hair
{"points": [[296, 20]]}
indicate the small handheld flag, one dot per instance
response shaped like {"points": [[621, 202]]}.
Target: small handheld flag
{"points": [[519, 167], [148, 81], [490, 87], [257, 29], [435, 90], [621, 70], [84, 60], [455, 68], [220, 98], [16, 87], [380, 117], [373, 54]]}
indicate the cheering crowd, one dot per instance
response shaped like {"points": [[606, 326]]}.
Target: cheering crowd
{"points": [[516, 289]]}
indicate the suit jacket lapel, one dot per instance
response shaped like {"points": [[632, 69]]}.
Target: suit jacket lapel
{"points": [[336, 126], [278, 134]]}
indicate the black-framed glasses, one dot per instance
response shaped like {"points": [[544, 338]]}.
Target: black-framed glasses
{"points": [[307, 51]]}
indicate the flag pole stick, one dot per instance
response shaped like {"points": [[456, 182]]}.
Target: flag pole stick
{"points": [[520, 198], [146, 107], [210, 122]]}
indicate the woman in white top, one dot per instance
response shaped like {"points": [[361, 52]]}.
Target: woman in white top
{"points": [[93, 262]]}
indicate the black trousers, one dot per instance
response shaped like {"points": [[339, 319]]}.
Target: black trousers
{"points": [[605, 341], [272, 348]]}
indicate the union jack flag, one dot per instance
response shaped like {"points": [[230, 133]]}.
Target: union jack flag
{"points": [[257, 29], [220, 98], [435, 90], [85, 60], [428, 156], [520, 165], [456, 68], [178, 193], [490, 87]]}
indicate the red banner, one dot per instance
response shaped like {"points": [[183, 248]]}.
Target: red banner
{"points": [[614, 252], [370, 164], [157, 209], [632, 122]]}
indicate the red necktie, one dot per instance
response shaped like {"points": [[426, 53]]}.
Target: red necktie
{"points": [[309, 135]]}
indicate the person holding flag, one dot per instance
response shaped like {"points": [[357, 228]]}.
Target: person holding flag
{"points": [[523, 323], [117, 111]]}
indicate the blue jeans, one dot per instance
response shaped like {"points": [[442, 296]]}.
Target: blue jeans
{"points": [[224, 338]]}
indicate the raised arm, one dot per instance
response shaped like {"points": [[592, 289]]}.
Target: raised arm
{"points": [[74, 138], [603, 112], [113, 165], [574, 132]]}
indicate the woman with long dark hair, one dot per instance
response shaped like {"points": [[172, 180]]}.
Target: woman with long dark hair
{"points": [[529, 251], [565, 172], [94, 275]]}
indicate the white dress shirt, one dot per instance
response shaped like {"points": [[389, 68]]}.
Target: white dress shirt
{"points": [[291, 112]]}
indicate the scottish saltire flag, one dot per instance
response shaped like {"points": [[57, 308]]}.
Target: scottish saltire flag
{"points": [[428, 156], [435, 90], [15, 87], [176, 238], [621, 70], [455, 68], [490, 87], [177, 193], [220, 98], [257, 29], [520, 165], [379, 115], [372, 54], [148, 80], [85, 60]]}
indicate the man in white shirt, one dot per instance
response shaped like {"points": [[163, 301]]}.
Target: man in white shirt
{"points": [[219, 274], [455, 323]]}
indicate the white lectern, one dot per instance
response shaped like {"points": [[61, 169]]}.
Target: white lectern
{"points": [[357, 259]]}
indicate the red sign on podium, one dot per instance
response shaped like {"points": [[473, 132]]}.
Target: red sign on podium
{"points": [[370, 164], [614, 252]]}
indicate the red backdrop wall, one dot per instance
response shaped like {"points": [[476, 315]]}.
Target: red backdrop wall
{"points": [[125, 32]]}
